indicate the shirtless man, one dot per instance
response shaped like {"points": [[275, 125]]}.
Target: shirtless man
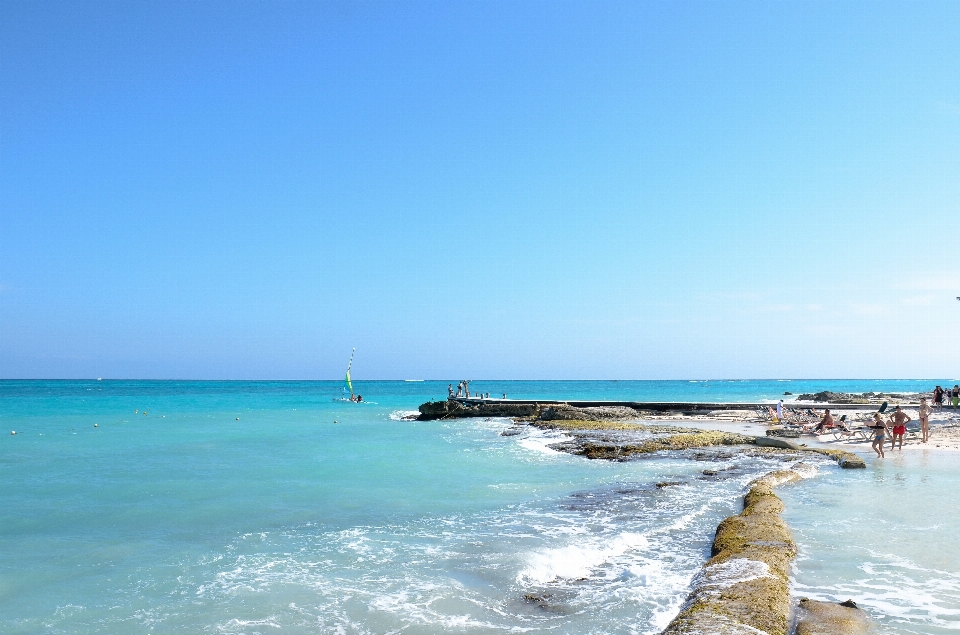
{"points": [[879, 428], [826, 422], [900, 420]]}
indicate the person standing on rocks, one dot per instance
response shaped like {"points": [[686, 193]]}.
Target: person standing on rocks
{"points": [[900, 421], [780, 412], [879, 428], [924, 420]]}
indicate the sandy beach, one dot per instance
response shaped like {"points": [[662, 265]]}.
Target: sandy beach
{"points": [[944, 427]]}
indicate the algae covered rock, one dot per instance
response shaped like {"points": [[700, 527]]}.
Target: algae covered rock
{"points": [[681, 441], [744, 587], [846, 460], [561, 412], [828, 618]]}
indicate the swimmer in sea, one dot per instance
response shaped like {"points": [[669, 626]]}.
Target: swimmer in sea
{"points": [[900, 420], [879, 428]]}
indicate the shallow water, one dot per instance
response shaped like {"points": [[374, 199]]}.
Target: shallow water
{"points": [[885, 537], [248, 507]]}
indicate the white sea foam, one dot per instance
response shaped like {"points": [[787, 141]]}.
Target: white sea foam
{"points": [[717, 577], [540, 440], [401, 415], [579, 559]]}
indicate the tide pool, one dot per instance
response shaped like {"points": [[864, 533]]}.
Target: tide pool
{"points": [[261, 507]]}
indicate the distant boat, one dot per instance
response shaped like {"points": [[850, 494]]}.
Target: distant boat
{"points": [[412, 380], [348, 383]]}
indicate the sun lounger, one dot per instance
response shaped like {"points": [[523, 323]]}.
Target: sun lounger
{"points": [[850, 434]]}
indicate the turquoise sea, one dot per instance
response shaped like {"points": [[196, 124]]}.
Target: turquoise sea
{"points": [[269, 507]]}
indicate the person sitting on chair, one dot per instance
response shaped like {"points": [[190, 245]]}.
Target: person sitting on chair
{"points": [[826, 422]]}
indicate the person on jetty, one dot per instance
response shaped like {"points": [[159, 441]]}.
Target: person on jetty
{"points": [[825, 423], [879, 428], [460, 389], [449, 390], [925, 411], [900, 421]]}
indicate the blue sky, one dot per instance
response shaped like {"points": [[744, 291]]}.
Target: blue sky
{"points": [[480, 189]]}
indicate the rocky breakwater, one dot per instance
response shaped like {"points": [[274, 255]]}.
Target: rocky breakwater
{"points": [[621, 441], [829, 397], [744, 587], [452, 409], [456, 409]]}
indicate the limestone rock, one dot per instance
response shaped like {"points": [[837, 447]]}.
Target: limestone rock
{"points": [[744, 587], [827, 618]]}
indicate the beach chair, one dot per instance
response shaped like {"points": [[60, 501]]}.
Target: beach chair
{"points": [[842, 433]]}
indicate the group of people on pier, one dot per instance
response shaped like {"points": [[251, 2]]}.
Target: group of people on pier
{"points": [[463, 389]]}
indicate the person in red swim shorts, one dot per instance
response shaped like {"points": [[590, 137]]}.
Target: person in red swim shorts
{"points": [[900, 420]]}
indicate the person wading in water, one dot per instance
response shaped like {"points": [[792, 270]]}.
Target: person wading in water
{"points": [[879, 428], [900, 421]]}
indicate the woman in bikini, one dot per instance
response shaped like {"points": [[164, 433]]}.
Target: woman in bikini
{"points": [[924, 419], [879, 434]]}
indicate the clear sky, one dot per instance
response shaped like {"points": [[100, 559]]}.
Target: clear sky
{"points": [[480, 189]]}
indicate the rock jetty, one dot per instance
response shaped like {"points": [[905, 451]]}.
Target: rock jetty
{"points": [[456, 409], [744, 587]]}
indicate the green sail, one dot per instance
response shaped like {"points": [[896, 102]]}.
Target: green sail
{"points": [[349, 384]]}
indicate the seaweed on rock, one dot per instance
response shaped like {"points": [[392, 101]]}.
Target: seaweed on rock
{"points": [[744, 587]]}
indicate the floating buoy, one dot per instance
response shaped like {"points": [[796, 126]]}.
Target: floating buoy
{"points": [[238, 419], [13, 432], [137, 411], [144, 413], [96, 425]]}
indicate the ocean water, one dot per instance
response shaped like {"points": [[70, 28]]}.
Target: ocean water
{"points": [[269, 507]]}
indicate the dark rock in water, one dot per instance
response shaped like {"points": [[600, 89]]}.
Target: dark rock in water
{"points": [[511, 432], [455, 410], [826, 396], [772, 442], [827, 618], [668, 484], [710, 472], [787, 393]]}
